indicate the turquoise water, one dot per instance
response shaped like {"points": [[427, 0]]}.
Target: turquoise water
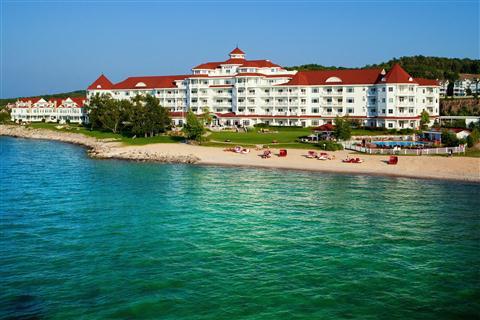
{"points": [[398, 143], [89, 239]]}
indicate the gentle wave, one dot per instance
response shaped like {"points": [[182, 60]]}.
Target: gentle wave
{"points": [[83, 238]]}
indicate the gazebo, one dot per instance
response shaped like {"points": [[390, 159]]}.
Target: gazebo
{"points": [[325, 131]]}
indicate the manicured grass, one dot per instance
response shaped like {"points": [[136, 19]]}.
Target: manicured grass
{"points": [[105, 135], [474, 153], [254, 136]]}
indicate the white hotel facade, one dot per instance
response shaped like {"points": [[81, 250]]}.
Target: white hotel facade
{"points": [[247, 92]]}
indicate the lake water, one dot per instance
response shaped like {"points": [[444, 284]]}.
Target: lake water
{"points": [[93, 239]]}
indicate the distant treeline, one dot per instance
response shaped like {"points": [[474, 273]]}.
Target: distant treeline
{"points": [[72, 94], [417, 66]]}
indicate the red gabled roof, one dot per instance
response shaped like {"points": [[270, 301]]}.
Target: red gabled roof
{"points": [[102, 83], [426, 82], [56, 101], [79, 101], [353, 76], [150, 82], [237, 50], [397, 75]]}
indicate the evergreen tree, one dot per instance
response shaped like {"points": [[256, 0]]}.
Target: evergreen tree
{"points": [[194, 128]]}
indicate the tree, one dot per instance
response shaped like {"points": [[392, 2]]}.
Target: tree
{"points": [[473, 138], [106, 113], [4, 115], [146, 117], [424, 119], [194, 128], [343, 130], [449, 139]]}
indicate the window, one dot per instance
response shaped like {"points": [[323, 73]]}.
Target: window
{"points": [[314, 122], [390, 125], [390, 89], [383, 89], [350, 100], [349, 110], [329, 109], [314, 100], [390, 100], [314, 110], [350, 90], [383, 100], [314, 90], [390, 111], [340, 110]]}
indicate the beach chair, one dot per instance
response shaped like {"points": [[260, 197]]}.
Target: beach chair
{"points": [[312, 154], [393, 160], [266, 154]]}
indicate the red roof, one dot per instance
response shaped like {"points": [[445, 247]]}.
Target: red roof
{"points": [[241, 62], [354, 76], [237, 50], [426, 82], [102, 83], [80, 101], [397, 75], [149, 82], [325, 127]]}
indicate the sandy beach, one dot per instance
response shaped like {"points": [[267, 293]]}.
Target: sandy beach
{"points": [[430, 167]]}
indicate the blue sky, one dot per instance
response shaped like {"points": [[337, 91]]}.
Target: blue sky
{"points": [[57, 46]]}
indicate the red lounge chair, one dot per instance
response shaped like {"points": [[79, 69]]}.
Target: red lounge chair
{"points": [[312, 154], [266, 154], [283, 153], [393, 160]]}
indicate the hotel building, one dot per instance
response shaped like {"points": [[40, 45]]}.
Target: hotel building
{"points": [[52, 110], [245, 92]]}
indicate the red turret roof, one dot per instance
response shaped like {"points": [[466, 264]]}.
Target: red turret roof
{"points": [[397, 75], [102, 83], [237, 50]]}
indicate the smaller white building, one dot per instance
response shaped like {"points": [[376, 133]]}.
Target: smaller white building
{"points": [[462, 86], [54, 110]]}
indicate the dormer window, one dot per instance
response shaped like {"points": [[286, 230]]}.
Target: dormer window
{"points": [[99, 87], [333, 79], [140, 85]]}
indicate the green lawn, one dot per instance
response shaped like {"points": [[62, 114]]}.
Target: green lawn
{"points": [[105, 135], [286, 137], [254, 136]]}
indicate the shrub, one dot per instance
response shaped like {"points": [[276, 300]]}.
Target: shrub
{"points": [[449, 139], [406, 131], [473, 138], [329, 145]]}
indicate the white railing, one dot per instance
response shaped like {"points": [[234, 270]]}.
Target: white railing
{"points": [[418, 152]]}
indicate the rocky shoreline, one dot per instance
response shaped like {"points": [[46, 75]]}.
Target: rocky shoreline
{"points": [[97, 148]]}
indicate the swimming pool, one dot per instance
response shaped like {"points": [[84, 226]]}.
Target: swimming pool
{"points": [[398, 143]]}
